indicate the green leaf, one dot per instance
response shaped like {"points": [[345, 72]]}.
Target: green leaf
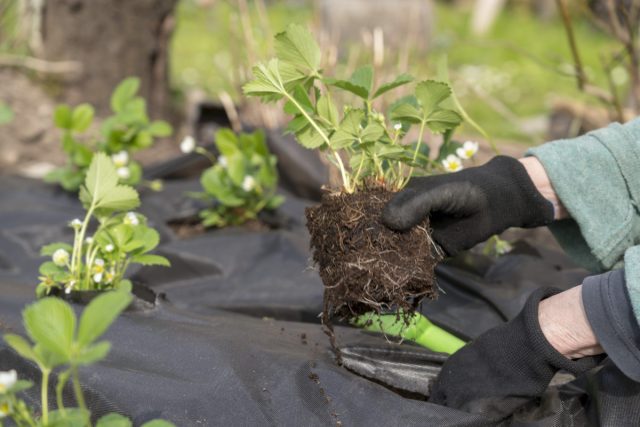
{"points": [[124, 93], [21, 346], [114, 420], [328, 111], [267, 81], [310, 138], [100, 314], [212, 183], [62, 117], [349, 87], [47, 358], [101, 187], [50, 269], [51, 323], [274, 202], [352, 122], [235, 168], [82, 156], [93, 353], [341, 139], [298, 124], [150, 259], [160, 129], [431, 93], [407, 113], [124, 286], [443, 120], [227, 142], [48, 250], [148, 236], [372, 132], [363, 77], [20, 385], [82, 117], [297, 46], [401, 80], [143, 139], [158, 423], [70, 417]]}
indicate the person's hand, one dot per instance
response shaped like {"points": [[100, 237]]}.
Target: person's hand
{"points": [[468, 207], [513, 363]]}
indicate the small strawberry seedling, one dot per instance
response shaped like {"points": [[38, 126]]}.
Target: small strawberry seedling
{"points": [[242, 181], [128, 130], [121, 237], [62, 342]]}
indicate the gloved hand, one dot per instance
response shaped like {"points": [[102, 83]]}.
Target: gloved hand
{"points": [[469, 206], [505, 367]]}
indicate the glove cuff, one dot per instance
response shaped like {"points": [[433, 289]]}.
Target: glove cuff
{"points": [[528, 207], [540, 343]]}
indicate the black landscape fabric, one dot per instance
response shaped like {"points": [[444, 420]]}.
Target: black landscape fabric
{"points": [[236, 340]]}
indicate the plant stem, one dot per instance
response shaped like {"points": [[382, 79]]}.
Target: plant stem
{"points": [[208, 155], [415, 153], [77, 248], [44, 395], [343, 171], [77, 389]]}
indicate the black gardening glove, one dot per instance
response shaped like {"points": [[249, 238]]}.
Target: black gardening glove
{"points": [[505, 367], [469, 206]]}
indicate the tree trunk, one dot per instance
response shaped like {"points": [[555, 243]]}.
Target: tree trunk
{"points": [[112, 39]]}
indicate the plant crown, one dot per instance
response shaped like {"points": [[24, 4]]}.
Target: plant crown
{"points": [[121, 237], [242, 181], [364, 145], [128, 130]]}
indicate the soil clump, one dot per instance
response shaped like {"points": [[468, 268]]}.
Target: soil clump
{"points": [[364, 265]]}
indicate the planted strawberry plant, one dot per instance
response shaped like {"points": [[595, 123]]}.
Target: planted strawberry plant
{"points": [[128, 130], [241, 182], [60, 341], [364, 265], [120, 237]]}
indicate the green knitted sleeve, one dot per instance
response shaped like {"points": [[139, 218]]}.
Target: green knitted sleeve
{"points": [[597, 178]]}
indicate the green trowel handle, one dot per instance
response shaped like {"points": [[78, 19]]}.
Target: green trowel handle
{"points": [[420, 330]]}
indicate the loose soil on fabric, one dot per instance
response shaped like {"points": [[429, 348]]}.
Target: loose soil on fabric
{"points": [[364, 265]]}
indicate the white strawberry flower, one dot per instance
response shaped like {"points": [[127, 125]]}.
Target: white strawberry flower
{"points": [[123, 172], [60, 257], [222, 161], [468, 150], [109, 248], [397, 126], [109, 276], [248, 183], [98, 270], [452, 163], [131, 219], [187, 145], [120, 159], [75, 224], [7, 380], [88, 240]]}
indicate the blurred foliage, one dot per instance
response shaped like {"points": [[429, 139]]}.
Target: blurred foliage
{"points": [[504, 78], [125, 132]]}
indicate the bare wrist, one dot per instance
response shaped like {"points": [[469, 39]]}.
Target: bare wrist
{"points": [[565, 325], [542, 183]]}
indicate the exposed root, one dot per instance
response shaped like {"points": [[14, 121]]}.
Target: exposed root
{"points": [[365, 266]]}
